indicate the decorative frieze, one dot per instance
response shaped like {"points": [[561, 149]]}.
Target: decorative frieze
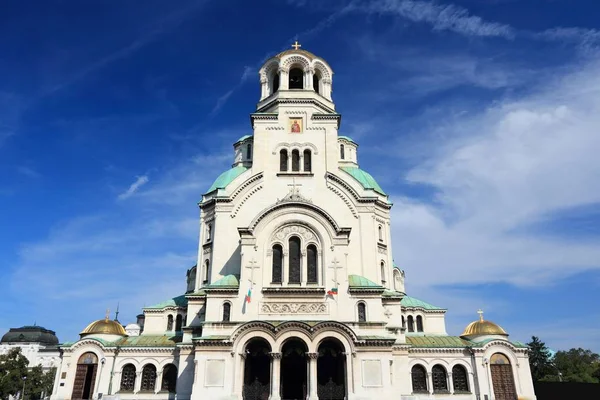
{"points": [[284, 232], [294, 308]]}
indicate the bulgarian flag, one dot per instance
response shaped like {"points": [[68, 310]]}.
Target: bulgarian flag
{"points": [[249, 295], [332, 291]]}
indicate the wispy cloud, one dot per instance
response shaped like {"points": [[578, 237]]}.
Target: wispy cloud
{"points": [[27, 171], [134, 187], [587, 39]]}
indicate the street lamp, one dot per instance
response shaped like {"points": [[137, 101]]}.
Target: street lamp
{"points": [[23, 392]]}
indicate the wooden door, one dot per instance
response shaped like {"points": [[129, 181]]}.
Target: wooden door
{"points": [[79, 382], [503, 382]]}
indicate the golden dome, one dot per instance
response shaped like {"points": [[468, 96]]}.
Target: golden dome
{"points": [[483, 327], [104, 326]]}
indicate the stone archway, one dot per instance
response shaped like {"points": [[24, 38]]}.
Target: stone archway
{"points": [[503, 379], [331, 370], [257, 370], [85, 376], [294, 371]]}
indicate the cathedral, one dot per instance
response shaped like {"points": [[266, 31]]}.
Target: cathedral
{"points": [[295, 294]]}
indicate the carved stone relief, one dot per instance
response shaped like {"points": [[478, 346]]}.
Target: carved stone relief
{"points": [[282, 233], [294, 308]]}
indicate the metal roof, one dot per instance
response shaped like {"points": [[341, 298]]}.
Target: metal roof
{"points": [[364, 178]]}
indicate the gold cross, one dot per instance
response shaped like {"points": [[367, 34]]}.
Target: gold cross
{"points": [[480, 312], [296, 45], [107, 313]]}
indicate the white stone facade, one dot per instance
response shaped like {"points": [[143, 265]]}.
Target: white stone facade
{"points": [[293, 221]]}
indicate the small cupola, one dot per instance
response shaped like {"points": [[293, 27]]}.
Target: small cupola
{"points": [[243, 150], [104, 329], [348, 151], [482, 330]]}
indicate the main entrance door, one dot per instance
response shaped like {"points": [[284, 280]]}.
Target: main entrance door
{"points": [[85, 377], [331, 371], [257, 370], [502, 378], [293, 370]]}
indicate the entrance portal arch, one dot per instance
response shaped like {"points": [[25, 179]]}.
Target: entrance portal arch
{"points": [[503, 379], [331, 370], [294, 372], [85, 376], [257, 370]]}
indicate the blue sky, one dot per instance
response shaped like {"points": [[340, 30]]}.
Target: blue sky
{"points": [[479, 117]]}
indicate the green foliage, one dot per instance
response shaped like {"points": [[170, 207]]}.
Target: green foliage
{"points": [[539, 359], [13, 370], [578, 365]]}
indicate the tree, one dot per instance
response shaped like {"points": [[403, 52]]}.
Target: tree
{"points": [[576, 365], [13, 368], [539, 359], [39, 382]]}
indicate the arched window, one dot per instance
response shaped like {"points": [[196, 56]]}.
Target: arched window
{"points": [[178, 323], [311, 255], [277, 263], [294, 248], [295, 160], [362, 312], [460, 380], [382, 266], [403, 322], [380, 229], [411, 324], [226, 312], [128, 378], [169, 323], [206, 271], [396, 274], [148, 378], [283, 160], [296, 78], [275, 82], [419, 323], [169, 378], [191, 282], [419, 379], [316, 82], [440, 382], [307, 161], [249, 151], [342, 155]]}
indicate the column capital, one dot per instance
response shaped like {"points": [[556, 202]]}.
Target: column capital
{"points": [[275, 355], [313, 356], [243, 355]]}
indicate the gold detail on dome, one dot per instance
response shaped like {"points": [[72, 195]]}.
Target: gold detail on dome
{"points": [[107, 313], [483, 327], [104, 326], [296, 45]]}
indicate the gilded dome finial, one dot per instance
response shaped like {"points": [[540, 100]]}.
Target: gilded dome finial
{"points": [[480, 312], [296, 45]]}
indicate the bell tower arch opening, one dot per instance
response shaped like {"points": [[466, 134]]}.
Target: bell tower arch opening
{"points": [[296, 78]]}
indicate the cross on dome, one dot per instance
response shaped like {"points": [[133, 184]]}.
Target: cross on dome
{"points": [[296, 45], [480, 312]]}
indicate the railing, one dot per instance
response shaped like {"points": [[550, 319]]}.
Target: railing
{"points": [[331, 391], [256, 391]]}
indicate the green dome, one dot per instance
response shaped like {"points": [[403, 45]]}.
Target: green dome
{"points": [[364, 178], [226, 178], [30, 334]]}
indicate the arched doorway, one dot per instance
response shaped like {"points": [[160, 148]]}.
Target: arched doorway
{"points": [[293, 370], [503, 380], [257, 370], [331, 370], [85, 377]]}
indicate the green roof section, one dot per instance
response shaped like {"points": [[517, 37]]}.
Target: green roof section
{"points": [[179, 301], [437, 341], [396, 265], [226, 178], [364, 178], [408, 301], [392, 293], [148, 341], [242, 139], [347, 138], [357, 281], [228, 281]]}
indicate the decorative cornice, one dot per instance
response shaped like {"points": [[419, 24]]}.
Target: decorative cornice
{"points": [[293, 290]]}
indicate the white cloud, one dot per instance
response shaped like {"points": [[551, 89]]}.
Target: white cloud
{"points": [[496, 174], [588, 39], [134, 187], [443, 17]]}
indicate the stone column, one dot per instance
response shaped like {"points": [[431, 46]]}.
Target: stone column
{"points": [[283, 79], [320, 269], [138, 382], [303, 268], [284, 266], [275, 375], [312, 373], [238, 389], [158, 381], [450, 383], [429, 382]]}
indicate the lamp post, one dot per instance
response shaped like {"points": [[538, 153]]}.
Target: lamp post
{"points": [[23, 392]]}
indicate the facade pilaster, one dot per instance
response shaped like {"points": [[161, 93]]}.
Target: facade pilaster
{"points": [[450, 383], [275, 375], [430, 382], [138, 382]]}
